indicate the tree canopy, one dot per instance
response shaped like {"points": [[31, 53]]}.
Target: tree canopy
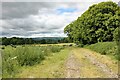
{"points": [[97, 24]]}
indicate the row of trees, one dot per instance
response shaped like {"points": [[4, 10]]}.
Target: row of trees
{"points": [[15, 40], [98, 24], [21, 41]]}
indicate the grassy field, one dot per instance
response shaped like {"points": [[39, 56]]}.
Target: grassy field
{"points": [[51, 67], [48, 61], [14, 58]]}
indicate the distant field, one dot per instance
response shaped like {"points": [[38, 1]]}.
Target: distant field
{"points": [[53, 44]]}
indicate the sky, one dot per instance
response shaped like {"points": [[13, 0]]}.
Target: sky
{"points": [[43, 18]]}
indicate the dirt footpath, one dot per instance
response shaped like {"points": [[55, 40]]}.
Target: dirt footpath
{"points": [[72, 67], [78, 68]]}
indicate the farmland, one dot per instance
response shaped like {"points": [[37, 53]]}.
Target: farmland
{"points": [[56, 61]]}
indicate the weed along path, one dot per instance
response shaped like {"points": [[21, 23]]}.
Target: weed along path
{"points": [[73, 63]]}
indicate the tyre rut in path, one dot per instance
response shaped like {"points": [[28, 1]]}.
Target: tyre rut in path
{"points": [[72, 67], [100, 65]]}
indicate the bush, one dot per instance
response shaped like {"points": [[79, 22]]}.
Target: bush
{"points": [[29, 56], [56, 48], [116, 35], [9, 63]]}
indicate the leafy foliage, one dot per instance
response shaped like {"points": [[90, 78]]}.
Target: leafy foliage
{"points": [[117, 39], [97, 24]]}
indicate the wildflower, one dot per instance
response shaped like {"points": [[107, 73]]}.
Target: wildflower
{"points": [[13, 58]]}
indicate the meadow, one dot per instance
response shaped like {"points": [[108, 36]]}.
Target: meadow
{"points": [[15, 57], [50, 60]]}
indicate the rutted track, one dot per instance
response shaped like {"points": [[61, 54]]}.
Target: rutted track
{"points": [[74, 66], [100, 65]]}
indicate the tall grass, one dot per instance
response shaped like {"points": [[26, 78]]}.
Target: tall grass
{"points": [[105, 48], [15, 58]]}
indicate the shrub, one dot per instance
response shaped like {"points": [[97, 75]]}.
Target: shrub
{"points": [[9, 63], [56, 48], [116, 35], [29, 55]]}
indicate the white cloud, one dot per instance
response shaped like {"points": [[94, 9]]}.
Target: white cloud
{"points": [[57, 0], [39, 19]]}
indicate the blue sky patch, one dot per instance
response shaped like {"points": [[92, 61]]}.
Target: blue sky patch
{"points": [[63, 10]]}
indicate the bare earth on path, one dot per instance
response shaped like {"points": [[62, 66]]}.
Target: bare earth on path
{"points": [[82, 63], [72, 67]]}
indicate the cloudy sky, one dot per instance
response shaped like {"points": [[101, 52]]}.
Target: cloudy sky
{"points": [[40, 19]]}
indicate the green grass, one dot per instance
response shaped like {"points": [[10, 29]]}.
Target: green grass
{"points": [[0, 61], [15, 58], [104, 48], [51, 67]]}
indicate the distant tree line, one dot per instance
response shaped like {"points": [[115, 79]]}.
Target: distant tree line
{"points": [[22, 41]]}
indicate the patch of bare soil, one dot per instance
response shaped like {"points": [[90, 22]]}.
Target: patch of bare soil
{"points": [[72, 67]]}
